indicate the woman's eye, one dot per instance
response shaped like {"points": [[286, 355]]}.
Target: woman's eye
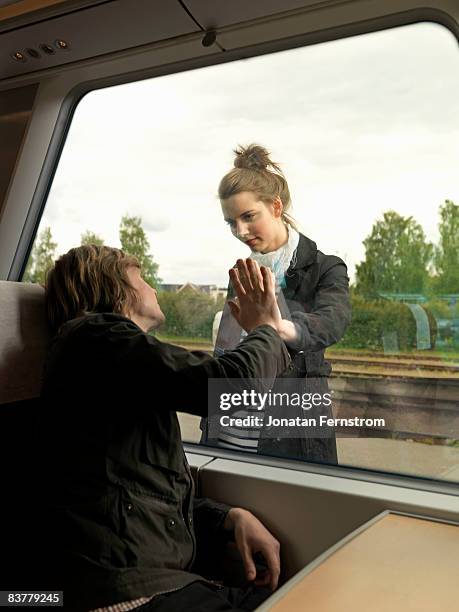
{"points": [[248, 217]]}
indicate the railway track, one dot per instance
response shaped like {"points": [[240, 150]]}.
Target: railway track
{"points": [[417, 396], [371, 364], [403, 365], [420, 409]]}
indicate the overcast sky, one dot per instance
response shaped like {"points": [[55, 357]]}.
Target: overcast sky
{"points": [[359, 126]]}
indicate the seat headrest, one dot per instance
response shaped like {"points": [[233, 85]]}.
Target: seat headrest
{"points": [[24, 339]]}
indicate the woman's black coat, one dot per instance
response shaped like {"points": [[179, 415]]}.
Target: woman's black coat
{"points": [[316, 299]]}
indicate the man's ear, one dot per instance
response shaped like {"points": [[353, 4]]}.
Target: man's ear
{"points": [[278, 207]]}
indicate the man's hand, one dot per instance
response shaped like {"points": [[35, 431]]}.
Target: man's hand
{"points": [[256, 302], [252, 538]]}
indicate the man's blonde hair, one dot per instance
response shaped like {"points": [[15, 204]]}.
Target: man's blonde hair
{"points": [[89, 278]]}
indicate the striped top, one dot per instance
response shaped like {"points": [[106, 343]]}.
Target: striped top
{"points": [[124, 606], [238, 437], [246, 438], [242, 438]]}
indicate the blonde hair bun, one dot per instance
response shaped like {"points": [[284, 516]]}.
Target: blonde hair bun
{"points": [[254, 157], [254, 171]]}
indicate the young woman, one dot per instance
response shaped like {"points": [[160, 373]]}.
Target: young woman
{"points": [[117, 515], [312, 290]]}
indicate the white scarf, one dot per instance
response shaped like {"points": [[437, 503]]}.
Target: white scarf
{"points": [[279, 260]]}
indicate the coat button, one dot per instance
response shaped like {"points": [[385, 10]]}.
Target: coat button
{"points": [[129, 507], [171, 523], [190, 519]]}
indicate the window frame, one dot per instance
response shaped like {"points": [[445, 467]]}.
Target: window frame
{"points": [[59, 137]]}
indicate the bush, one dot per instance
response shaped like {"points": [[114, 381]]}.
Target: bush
{"points": [[376, 319], [189, 313]]}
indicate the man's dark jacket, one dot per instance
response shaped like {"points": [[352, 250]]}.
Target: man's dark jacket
{"points": [[118, 515]]}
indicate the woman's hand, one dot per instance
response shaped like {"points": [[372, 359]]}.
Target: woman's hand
{"points": [[256, 302], [251, 538]]}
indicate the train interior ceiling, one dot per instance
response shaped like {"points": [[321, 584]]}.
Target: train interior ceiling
{"points": [[53, 52]]}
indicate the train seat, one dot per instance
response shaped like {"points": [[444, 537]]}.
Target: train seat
{"points": [[24, 338]]}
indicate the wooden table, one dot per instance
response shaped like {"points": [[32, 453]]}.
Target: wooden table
{"points": [[394, 563]]}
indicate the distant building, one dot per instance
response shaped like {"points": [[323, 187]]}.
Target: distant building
{"points": [[213, 291], [451, 298], [418, 298], [447, 329], [169, 287], [409, 298]]}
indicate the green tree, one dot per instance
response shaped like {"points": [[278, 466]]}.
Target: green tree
{"points": [[374, 319], [173, 324], [28, 272], [447, 251], [90, 238], [397, 257], [41, 258], [189, 312], [135, 242], [439, 308]]}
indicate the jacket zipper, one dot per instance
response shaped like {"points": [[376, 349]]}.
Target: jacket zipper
{"points": [[193, 539], [186, 521], [166, 592]]}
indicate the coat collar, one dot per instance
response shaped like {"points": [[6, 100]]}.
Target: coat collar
{"points": [[306, 253]]}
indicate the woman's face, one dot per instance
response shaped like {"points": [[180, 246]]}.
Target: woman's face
{"points": [[146, 312], [256, 223]]}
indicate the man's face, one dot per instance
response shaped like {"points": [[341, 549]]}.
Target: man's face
{"points": [[146, 312]]}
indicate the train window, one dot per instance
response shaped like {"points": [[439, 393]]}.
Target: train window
{"points": [[365, 130]]}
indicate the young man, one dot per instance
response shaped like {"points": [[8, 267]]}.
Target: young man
{"points": [[119, 518]]}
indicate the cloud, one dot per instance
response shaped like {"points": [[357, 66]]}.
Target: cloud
{"points": [[360, 125], [156, 225]]}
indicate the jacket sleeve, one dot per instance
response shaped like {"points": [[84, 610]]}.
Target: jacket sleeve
{"points": [[208, 516], [211, 538], [331, 313], [182, 376]]}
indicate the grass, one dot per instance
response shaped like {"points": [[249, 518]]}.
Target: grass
{"points": [[441, 354], [183, 339], [444, 354]]}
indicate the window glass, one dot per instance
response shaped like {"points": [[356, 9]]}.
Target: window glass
{"points": [[366, 132]]}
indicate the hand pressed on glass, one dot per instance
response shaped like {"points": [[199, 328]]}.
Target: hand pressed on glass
{"points": [[256, 302]]}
